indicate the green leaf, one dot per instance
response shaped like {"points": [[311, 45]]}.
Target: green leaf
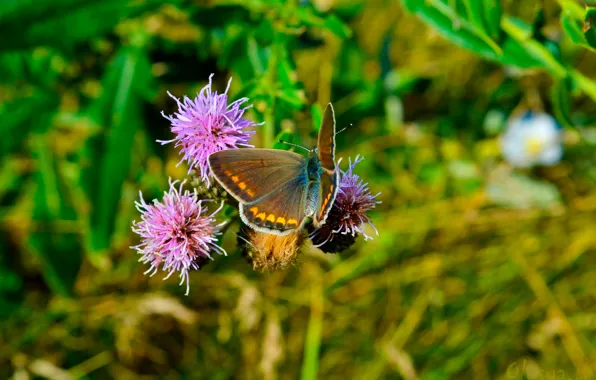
{"points": [[317, 116], [30, 10], [244, 55], [60, 24], [460, 23], [560, 98], [475, 11], [54, 240], [119, 110], [485, 16], [401, 82], [492, 16], [19, 118], [289, 91], [293, 97], [590, 26], [515, 53], [37, 67], [519, 32], [249, 89], [572, 29], [286, 73], [257, 55], [457, 30], [337, 27], [332, 23], [286, 136], [573, 9], [586, 84], [522, 29], [411, 5]]}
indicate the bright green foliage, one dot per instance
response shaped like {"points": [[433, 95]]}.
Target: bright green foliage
{"points": [[59, 251], [127, 82]]}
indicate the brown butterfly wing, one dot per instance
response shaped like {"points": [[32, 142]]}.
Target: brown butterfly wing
{"points": [[282, 211], [326, 140], [249, 174], [328, 192], [329, 179]]}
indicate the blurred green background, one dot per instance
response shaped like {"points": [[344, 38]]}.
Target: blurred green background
{"points": [[460, 284]]}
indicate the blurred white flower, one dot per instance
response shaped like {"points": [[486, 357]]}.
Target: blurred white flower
{"points": [[533, 139]]}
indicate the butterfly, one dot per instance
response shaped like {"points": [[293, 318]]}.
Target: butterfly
{"points": [[278, 190]]}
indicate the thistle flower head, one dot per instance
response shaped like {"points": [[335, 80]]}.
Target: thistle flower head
{"points": [[208, 124], [269, 252], [177, 234], [532, 139], [347, 216]]}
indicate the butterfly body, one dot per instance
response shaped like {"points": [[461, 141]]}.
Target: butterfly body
{"points": [[314, 171], [278, 190], [314, 168]]}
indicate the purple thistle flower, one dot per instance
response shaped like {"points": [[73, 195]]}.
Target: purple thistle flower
{"points": [[177, 234], [206, 125], [347, 216]]}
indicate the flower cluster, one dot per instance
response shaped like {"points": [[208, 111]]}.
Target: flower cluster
{"points": [[208, 124], [533, 139], [177, 234], [347, 216]]}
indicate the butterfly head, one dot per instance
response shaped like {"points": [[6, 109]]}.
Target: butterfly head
{"points": [[313, 167]]}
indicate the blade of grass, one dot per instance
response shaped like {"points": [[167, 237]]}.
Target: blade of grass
{"points": [[312, 343], [58, 250], [119, 110]]}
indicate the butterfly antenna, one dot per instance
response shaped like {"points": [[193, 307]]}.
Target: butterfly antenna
{"points": [[296, 145], [343, 129]]}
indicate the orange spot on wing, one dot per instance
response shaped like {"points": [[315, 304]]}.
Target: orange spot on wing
{"points": [[324, 205], [250, 193], [293, 221], [254, 210], [271, 218], [331, 188], [322, 210], [281, 220], [235, 178], [261, 216], [228, 173], [242, 185]]}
